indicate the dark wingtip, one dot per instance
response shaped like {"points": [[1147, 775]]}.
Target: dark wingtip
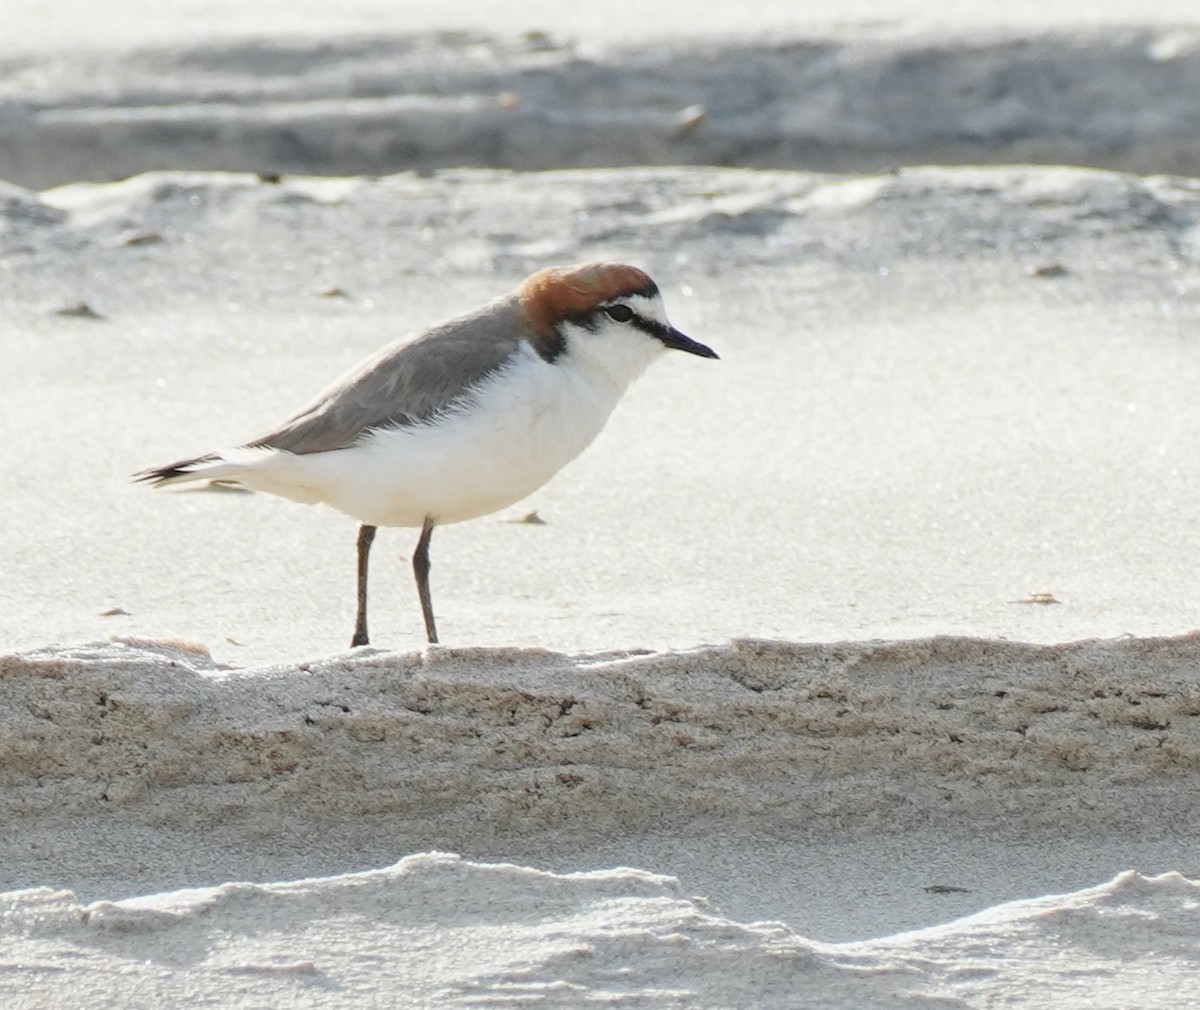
{"points": [[158, 475], [155, 476]]}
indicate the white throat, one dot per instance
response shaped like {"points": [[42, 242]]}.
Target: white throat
{"points": [[612, 352]]}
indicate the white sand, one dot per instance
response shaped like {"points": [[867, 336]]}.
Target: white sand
{"points": [[955, 412], [966, 436], [436, 931]]}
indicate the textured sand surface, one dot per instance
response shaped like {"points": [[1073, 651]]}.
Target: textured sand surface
{"points": [[936, 762], [434, 931], [809, 740]]}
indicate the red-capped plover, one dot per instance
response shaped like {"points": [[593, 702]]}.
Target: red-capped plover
{"points": [[462, 419]]}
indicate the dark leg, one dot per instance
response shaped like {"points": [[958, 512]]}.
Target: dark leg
{"points": [[366, 534], [421, 571]]}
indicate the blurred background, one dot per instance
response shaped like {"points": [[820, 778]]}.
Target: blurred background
{"points": [[104, 90]]}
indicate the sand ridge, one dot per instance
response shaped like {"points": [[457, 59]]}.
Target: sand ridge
{"points": [[806, 739]]}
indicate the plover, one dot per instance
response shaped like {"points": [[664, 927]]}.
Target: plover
{"points": [[462, 419]]}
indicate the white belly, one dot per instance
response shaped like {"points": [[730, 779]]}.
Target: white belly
{"points": [[525, 425]]}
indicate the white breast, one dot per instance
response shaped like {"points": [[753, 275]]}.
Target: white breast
{"points": [[523, 425]]}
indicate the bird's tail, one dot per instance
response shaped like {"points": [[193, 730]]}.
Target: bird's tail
{"points": [[210, 467]]}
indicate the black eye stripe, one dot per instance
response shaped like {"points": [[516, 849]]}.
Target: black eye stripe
{"points": [[590, 320], [650, 327]]}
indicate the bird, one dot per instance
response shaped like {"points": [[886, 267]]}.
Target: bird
{"points": [[459, 420]]}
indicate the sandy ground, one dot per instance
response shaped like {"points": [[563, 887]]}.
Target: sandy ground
{"points": [[993, 442], [955, 413], [971, 439]]}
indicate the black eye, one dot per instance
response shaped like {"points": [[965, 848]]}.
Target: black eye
{"points": [[619, 313]]}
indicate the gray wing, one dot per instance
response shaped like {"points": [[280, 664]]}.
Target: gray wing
{"points": [[406, 382]]}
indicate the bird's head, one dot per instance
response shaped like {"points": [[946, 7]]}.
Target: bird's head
{"points": [[608, 317]]}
